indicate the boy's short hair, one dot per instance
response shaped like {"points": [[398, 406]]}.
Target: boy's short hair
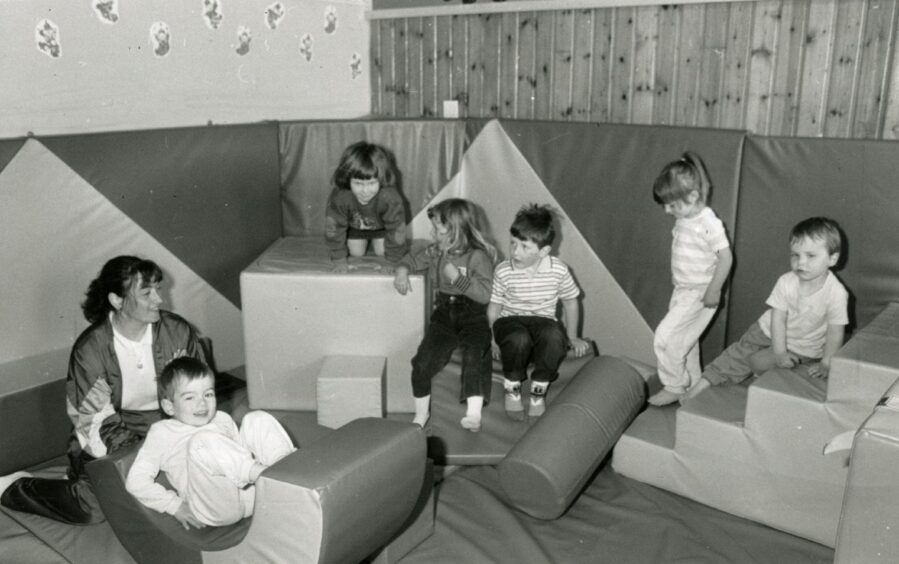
{"points": [[822, 228], [534, 222], [185, 367]]}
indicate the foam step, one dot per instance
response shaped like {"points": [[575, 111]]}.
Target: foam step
{"points": [[645, 451], [713, 420]]}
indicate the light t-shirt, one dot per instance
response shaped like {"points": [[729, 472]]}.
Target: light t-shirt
{"points": [[694, 248], [138, 371], [522, 292], [807, 316]]}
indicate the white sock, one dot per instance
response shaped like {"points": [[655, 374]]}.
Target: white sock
{"points": [[539, 388], [475, 404], [422, 410], [511, 386]]}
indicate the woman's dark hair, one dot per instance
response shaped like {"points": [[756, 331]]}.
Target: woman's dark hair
{"points": [[117, 277]]}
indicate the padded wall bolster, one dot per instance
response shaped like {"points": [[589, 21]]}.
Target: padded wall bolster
{"points": [[549, 466]]}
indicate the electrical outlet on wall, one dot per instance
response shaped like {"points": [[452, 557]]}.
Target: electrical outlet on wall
{"points": [[450, 109]]}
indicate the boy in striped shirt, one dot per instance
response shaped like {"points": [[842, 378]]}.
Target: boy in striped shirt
{"points": [[522, 311]]}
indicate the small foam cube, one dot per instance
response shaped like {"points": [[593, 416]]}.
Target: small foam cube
{"points": [[350, 387]]}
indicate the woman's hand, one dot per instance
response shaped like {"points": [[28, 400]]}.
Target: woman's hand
{"points": [[451, 271]]}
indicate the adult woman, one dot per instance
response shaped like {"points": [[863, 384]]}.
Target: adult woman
{"points": [[110, 386]]}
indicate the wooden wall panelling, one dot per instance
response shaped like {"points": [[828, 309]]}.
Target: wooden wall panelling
{"points": [[460, 63], [646, 36], [508, 102], [689, 64], [543, 65], [600, 91], [841, 86], [582, 65], [443, 81], [788, 68], [477, 54], [527, 65], [891, 117], [386, 29], [494, 55], [874, 65], [562, 77], [430, 105], [762, 56], [665, 68], [816, 67], [714, 45], [402, 55], [621, 77], [736, 66], [414, 84]]}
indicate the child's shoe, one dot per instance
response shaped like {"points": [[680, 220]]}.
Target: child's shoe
{"points": [[537, 406], [513, 405]]}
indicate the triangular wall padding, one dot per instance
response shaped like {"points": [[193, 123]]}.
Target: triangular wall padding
{"points": [[8, 149], [58, 232], [498, 178], [209, 194], [602, 175]]}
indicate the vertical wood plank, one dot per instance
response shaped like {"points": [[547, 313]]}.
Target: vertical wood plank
{"points": [[602, 65], [509, 65], [874, 65], [646, 36], [444, 66], [377, 68], [527, 66], [713, 52], [841, 87], [666, 68], [492, 63], [788, 68], [388, 83], [476, 63], [763, 52], [621, 83], [401, 69], [543, 66], [563, 53], [582, 65], [460, 63], [817, 67], [689, 64], [429, 103], [734, 79], [414, 67]]}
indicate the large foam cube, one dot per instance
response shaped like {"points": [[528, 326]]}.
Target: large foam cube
{"points": [[297, 311], [350, 387]]}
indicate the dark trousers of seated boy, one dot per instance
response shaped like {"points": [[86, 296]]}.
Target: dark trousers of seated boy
{"points": [[456, 321], [523, 339]]}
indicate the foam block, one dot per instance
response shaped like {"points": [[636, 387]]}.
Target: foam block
{"points": [[548, 467], [297, 311], [350, 387]]}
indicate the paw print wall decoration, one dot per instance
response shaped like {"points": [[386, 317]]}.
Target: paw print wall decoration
{"points": [[212, 13], [160, 39], [330, 19], [274, 14], [306, 47], [243, 40], [46, 37], [107, 10]]}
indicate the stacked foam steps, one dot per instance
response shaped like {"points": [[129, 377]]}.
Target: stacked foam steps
{"points": [[756, 451]]}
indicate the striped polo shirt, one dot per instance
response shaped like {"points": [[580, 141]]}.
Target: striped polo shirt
{"points": [[694, 248], [523, 293]]}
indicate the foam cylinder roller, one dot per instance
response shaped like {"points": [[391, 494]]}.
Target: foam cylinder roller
{"points": [[547, 469]]}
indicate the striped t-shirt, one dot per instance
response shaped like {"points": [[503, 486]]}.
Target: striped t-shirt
{"points": [[523, 293], [694, 248]]}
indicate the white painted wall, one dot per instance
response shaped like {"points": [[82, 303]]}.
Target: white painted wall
{"points": [[107, 77]]}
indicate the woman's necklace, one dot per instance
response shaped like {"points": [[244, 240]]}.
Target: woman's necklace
{"points": [[133, 348]]}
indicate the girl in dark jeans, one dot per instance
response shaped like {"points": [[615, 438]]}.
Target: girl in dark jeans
{"points": [[460, 264]]}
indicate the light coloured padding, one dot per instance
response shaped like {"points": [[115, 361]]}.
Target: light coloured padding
{"points": [[548, 467], [296, 312], [350, 387], [870, 519], [32, 410]]}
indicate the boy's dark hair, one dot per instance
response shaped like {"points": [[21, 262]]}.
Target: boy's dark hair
{"points": [[534, 222], [822, 228], [185, 367]]}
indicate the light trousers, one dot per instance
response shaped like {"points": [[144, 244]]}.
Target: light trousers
{"points": [[676, 340]]}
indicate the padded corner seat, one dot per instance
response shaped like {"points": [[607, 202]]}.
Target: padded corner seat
{"points": [[297, 311], [335, 500]]}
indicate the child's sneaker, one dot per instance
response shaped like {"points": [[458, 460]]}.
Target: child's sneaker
{"points": [[537, 406], [514, 407]]}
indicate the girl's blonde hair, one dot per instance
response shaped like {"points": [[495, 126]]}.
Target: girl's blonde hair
{"points": [[461, 219], [680, 177]]}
